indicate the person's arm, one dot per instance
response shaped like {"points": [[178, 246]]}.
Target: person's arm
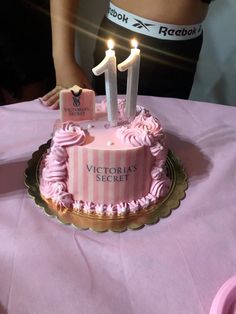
{"points": [[68, 72]]}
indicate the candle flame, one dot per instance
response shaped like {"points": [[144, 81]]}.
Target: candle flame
{"points": [[134, 43], [110, 44]]}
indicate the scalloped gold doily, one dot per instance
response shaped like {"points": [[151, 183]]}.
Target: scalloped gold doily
{"points": [[148, 216]]}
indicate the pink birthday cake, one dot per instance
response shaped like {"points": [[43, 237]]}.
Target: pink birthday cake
{"points": [[94, 169]]}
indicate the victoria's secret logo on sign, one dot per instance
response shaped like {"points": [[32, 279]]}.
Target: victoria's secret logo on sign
{"points": [[77, 104], [76, 97]]}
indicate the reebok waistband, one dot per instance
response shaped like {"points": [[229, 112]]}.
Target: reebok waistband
{"points": [[152, 28]]}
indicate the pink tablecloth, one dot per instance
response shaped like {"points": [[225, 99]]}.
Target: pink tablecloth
{"points": [[175, 266]]}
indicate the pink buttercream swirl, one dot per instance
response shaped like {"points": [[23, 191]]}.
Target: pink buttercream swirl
{"points": [[69, 134], [134, 206], [147, 122], [63, 199], [111, 210], [55, 166], [59, 153], [100, 209], [134, 136], [54, 172], [159, 151], [143, 130], [159, 188], [49, 189], [122, 208], [102, 108]]}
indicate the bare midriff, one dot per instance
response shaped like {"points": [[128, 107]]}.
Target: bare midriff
{"points": [[178, 12]]}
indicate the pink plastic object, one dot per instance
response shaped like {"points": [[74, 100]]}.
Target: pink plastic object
{"points": [[224, 301]]}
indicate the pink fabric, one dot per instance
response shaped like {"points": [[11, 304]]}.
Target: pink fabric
{"points": [[176, 266]]}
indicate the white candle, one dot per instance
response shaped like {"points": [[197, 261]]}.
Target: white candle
{"points": [[108, 66], [131, 64]]}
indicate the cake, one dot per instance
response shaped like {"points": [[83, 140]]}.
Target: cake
{"points": [[94, 169]]}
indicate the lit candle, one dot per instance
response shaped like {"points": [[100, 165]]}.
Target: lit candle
{"points": [[108, 66], [131, 64]]}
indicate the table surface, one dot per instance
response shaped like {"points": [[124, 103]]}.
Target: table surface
{"points": [[175, 266]]}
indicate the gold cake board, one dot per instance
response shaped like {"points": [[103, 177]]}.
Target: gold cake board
{"points": [[148, 216]]}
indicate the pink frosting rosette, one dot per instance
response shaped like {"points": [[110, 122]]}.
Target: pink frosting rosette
{"points": [[70, 134], [135, 136], [159, 151], [143, 130], [54, 172], [102, 108], [55, 166], [121, 208], [151, 198], [57, 191], [157, 173], [87, 207], [50, 189], [111, 210], [160, 188], [100, 209], [133, 206], [63, 199], [147, 122], [144, 202], [59, 153]]}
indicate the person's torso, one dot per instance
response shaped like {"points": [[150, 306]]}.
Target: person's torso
{"points": [[167, 11]]}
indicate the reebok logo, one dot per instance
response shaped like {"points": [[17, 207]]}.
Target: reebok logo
{"points": [[141, 24], [120, 16], [165, 31]]}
